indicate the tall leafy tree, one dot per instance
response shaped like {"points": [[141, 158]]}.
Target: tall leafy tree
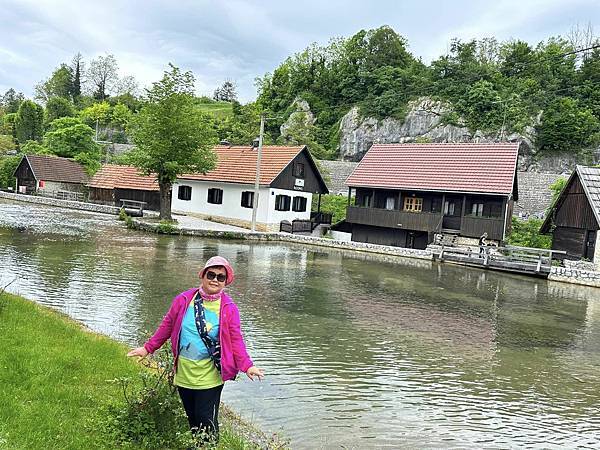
{"points": [[226, 92], [60, 84], [70, 138], [58, 107], [11, 100], [29, 122], [102, 76], [77, 67], [172, 136]]}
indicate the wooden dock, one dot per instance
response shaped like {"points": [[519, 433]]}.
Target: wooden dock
{"points": [[523, 260]]}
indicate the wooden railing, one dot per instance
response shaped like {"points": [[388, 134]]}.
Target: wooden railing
{"points": [[475, 226], [519, 259], [64, 195], [393, 219]]}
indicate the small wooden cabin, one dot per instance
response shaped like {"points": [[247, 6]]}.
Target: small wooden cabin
{"points": [[574, 218], [112, 184], [49, 175], [406, 194]]}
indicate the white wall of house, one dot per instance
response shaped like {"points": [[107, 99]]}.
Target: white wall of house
{"points": [[231, 204], [277, 216]]}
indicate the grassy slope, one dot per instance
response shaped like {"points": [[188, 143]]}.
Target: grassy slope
{"points": [[218, 109], [53, 380], [53, 377]]}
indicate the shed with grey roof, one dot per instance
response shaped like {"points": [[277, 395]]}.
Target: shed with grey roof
{"points": [[574, 218]]}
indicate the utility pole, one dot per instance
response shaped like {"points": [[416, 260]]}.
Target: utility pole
{"points": [[257, 180]]}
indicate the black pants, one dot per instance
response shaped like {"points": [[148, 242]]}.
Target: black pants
{"points": [[202, 408]]}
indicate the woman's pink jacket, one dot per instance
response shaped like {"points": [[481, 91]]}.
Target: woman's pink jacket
{"points": [[234, 357]]}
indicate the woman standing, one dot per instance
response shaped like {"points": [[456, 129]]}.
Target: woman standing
{"points": [[208, 348]]}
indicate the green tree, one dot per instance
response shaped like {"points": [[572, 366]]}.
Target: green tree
{"points": [[60, 84], [7, 144], [565, 126], [172, 136], [70, 138], [102, 76], [96, 114], [526, 233], [29, 121], [34, 148], [8, 165], [58, 107], [76, 69], [557, 188], [11, 100], [121, 115]]}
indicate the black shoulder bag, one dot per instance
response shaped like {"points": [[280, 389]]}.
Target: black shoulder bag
{"points": [[213, 346]]}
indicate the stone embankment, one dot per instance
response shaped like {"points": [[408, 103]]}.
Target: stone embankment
{"points": [[145, 225], [82, 206]]}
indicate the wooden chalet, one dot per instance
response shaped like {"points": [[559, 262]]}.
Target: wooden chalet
{"points": [[408, 193], [574, 218], [50, 176], [112, 184]]}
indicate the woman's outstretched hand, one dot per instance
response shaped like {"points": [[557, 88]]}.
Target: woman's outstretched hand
{"points": [[140, 351], [255, 372]]}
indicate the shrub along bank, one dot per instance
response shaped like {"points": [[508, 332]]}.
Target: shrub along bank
{"points": [[62, 387]]}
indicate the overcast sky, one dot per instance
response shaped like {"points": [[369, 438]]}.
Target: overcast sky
{"points": [[242, 40]]}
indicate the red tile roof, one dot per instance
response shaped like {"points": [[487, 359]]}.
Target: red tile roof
{"points": [[237, 164], [485, 168], [123, 177], [54, 168]]}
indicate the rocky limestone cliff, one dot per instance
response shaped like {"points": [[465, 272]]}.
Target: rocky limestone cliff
{"points": [[423, 122], [302, 116]]}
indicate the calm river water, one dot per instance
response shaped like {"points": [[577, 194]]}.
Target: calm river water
{"points": [[359, 352]]}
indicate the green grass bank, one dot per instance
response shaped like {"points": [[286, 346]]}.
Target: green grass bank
{"points": [[58, 388]]}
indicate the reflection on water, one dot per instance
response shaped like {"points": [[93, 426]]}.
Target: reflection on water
{"points": [[359, 352]]}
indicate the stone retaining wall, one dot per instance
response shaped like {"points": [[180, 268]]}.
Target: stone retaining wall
{"points": [[575, 276], [92, 207], [285, 237]]}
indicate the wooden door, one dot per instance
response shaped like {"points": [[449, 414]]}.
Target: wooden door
{"points": [[590, 245]]}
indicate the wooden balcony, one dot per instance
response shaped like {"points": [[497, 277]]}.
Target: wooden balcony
{"points": [[393, 219], [476, 226], [470, 226]]}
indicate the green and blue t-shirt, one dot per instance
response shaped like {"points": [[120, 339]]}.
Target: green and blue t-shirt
{"points": [[195, 369]]}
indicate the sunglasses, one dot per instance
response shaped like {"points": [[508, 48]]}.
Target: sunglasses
{"points": [[221, 277]]}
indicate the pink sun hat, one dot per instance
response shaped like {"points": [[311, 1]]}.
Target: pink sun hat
{"points": [[219, 261]]}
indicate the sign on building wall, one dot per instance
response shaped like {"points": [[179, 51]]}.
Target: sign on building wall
{"points": [[299, 184]]}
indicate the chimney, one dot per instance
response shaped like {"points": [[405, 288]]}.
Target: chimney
{"points": [[225, 143], [255, 144]]}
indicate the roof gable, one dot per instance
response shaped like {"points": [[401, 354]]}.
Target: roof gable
{"points": [[112, 176], [55, 168], [449, 167], [237, 164], [589, 177]]}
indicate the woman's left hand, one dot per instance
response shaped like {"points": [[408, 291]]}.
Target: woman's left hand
{"points": [[255, 372]]}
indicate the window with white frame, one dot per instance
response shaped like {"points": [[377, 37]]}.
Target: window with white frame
{"points": [[282, 202], [299, 204], [477, 209], [215, 196], [247, 199], [184, 192]]}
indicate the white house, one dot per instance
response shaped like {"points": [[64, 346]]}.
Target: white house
{"points": [[288, 179]]}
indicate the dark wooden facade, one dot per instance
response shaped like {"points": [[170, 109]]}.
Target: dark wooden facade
{"points": [[25, 177], [312, 181], [572, 222], [114, 197], [381, 214]]}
